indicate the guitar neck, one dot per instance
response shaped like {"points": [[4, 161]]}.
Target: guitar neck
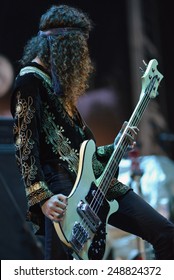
{"points": [[120, 149], [150, 81]]}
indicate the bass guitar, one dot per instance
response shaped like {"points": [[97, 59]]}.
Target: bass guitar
{"points": [[84, 227]]}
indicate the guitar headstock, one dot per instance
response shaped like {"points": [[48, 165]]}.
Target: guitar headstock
{"points": [[151, 79]]}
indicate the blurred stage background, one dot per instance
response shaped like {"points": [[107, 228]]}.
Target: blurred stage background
{"points": [[125, 33]]}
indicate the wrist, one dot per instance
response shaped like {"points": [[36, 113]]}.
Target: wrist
{"points": [[41, 203]]}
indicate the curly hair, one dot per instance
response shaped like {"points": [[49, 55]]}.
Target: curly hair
{"points": [[66, 55]]}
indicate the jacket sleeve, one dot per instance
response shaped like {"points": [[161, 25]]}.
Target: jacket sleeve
{"points": [[100, 159], [26, 110], [116, 188]]}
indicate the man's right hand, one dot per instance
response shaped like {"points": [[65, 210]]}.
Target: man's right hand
{"points": [[54, 208]]}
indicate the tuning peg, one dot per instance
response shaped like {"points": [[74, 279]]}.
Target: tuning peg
{"points": [[144, 63], [142, 70]]}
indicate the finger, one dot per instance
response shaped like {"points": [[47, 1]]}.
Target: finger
{"points": [[62, 198], [59, 211], [51, 217], [57, 208], [60, 204], [123, 126], [58, 217], [135, 129], [130, 137]]}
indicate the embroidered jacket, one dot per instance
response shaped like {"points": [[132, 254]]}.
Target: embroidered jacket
{"points": [[44, 133]]}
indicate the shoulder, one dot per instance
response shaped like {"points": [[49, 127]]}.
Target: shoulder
{"points": [[32, 75], [26, 81], [26, 85]]}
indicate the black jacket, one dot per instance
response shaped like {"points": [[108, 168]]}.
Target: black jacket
{"points": [[45, 134]]}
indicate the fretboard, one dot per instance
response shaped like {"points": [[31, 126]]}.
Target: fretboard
{"points": [[121, 147]]}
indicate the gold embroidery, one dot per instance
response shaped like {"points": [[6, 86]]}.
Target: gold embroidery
{"points": [[24, 142], [35, 187], [37, 192], [60, 144]]}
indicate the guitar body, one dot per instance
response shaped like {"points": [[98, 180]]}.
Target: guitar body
{"points": [[83, 229]]}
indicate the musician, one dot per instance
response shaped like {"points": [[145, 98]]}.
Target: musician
{"points": [[49, 130]]}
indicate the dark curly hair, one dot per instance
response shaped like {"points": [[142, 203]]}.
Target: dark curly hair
{"points": [[66, 55]]}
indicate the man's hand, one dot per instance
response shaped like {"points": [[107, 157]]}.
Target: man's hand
{"points": [[54, 208], [130, 134]]}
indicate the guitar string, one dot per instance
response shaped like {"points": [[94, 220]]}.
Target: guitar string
{"points": [[97, 201], [146, 99], [144, 102], [98, 197], [105, 182]]}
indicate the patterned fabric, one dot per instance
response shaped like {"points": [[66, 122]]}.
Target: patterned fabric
{"points": [[60, 144], [44, 134]]}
